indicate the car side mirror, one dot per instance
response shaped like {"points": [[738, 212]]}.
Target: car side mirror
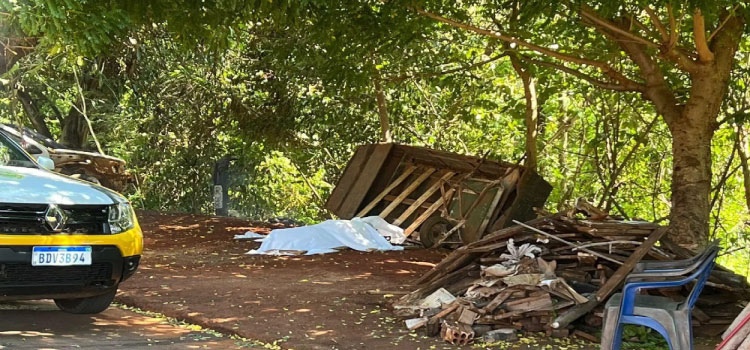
{"points": [[46, 163]]}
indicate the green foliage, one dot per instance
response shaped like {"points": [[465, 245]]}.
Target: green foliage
{"points": [[638, 337], [288, 89], [279, 189]]}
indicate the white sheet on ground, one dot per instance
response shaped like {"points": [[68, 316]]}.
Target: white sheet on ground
{"points": [[325, 237], [392, 233]]}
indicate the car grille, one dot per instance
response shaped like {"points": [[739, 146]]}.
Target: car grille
{"points": [[23, 274], [20, 219]]}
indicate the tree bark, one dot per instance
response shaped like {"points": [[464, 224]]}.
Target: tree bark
{"points": [[531, 113], [691, 178]]}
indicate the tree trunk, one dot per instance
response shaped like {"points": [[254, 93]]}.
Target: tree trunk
{"points": [[692, 129], [385, 125], [531, 114], [691, 179], [75, 130], [38, 121], [692, 132]]}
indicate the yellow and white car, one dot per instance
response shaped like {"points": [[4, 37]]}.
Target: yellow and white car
{"points": [[62, 238]]}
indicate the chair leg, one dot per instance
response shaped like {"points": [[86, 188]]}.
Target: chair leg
{"points": [[684, 339], [617, 336], [608, 331], [612, 334]]}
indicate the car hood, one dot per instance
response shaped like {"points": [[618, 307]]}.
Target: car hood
{"points": [[37, 186]]}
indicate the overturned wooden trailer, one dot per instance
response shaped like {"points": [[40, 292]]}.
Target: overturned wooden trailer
{"points": [[436, 193]]}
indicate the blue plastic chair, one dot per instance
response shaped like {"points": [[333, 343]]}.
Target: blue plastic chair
{"points": [[672, 319]]}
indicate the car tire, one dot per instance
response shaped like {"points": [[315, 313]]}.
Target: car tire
{"points": [[89, 305]]}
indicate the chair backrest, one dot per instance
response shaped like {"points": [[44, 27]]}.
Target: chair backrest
{"points": [[701, 276]]}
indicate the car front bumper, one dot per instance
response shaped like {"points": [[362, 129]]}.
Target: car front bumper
{"points": [[114, 259]]}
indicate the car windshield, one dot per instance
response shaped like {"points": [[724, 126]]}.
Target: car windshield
{"points": [[11, 154]]}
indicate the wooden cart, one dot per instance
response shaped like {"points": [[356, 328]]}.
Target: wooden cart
{"points": [[436, 193]]}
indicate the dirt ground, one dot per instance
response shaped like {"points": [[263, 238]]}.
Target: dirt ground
{"points": [[194, 270], [41, 325]]}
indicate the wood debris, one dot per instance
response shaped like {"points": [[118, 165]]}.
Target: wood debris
{"points": [[549, 273]]}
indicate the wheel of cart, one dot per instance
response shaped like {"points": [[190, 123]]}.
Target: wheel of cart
{"points": [[467, 216], [433, 231]]}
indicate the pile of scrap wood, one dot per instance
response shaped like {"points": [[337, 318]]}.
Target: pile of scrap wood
{"points": [[545, 275]]}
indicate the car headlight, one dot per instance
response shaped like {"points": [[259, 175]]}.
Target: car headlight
{"points": [[121, 218]]}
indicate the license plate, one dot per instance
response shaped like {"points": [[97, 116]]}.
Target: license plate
{"points": [[60, 256]]}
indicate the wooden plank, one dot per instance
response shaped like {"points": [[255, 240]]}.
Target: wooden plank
{"points": [[531, 192], [509, 187], [497, 301], [612, 283], [409, 169], [407, 201], [541, 302], [367, 176], [488, 168], [491, 211], [426, 214], [348, 178], [624, 270], [407, 191], [423, 198], [737, 321]]}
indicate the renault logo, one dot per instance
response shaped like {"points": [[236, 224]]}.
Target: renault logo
{"points": [[55, 218]]}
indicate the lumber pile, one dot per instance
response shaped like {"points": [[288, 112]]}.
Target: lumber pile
{"points": [[547, 275]]}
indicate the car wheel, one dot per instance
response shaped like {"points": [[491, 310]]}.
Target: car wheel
{"points": [[89, 305]]}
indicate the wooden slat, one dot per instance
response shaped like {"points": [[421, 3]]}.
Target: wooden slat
{"points": [[426, 214], [541, 302], [491, 211], [410, 169], [407, 201], [364, 181], [348, 178], [423, 198], [407, 191]]}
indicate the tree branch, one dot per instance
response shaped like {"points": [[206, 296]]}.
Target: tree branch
{"points": [[602, 23], [657, 89], [723, 23], [699, 33], [657, 23], [636, 22], [618, 33], [604, 67], [423, 75], [672, 28], [602, 84], [724, 45]]}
